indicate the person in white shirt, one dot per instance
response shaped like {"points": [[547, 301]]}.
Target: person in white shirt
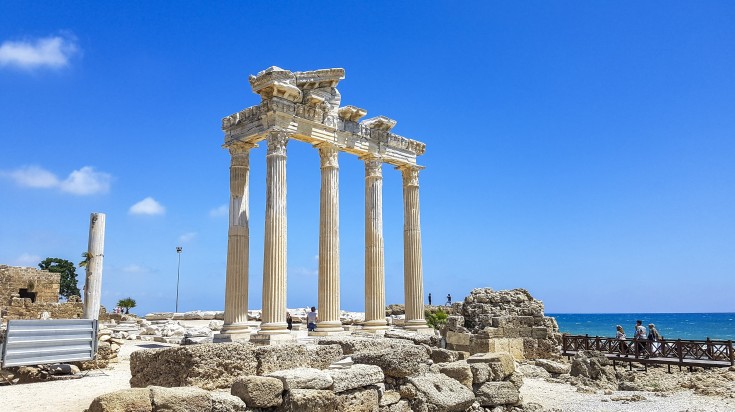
{"points": [[640, 336], [311, 319]]}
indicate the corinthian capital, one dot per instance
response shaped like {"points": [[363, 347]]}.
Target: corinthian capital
{"points": [[373, 166], [410, 175], [277, 143], [239, 152], [328, 154]]}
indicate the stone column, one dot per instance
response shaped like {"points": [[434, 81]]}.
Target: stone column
{"points": [[374, 254], [238, 246], [413, 282], [329, 242], [274, 260], [95, 255]]}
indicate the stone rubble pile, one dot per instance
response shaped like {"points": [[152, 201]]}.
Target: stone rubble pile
{"points": [[502, 321], [401, 373]]}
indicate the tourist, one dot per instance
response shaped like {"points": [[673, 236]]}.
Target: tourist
{"points": [[429, 299], [620, 335], [640, 336], [654, 337], [311, 320], [289, 321], [449, 299]]}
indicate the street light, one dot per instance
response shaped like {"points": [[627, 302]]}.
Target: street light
{"points": [[178, 272]]}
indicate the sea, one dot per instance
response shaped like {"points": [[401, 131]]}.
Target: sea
{"points": [[716, 326]]}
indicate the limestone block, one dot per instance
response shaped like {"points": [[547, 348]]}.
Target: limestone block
{"points": [[321, 356], [180, 399], [197, 332], [460, 371], [303, 378], [400, 406], [533, 371], [159, 316], [259, 391], [455, 322], [389, 398], [416, 338], [501, 364], [482, 345], [516, 379], [280, 357], [357, 400], [438, 392], [309, 400], [208, 366], [443, 355], [480, 372], [497, 393], [554, 367], [361, 344], [457, 338], [224, 402], [539, 332], [397, 364], [355, 377], [127, 400]]}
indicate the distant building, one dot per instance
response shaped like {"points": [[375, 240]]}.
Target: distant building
{"points": [[40, 286]]}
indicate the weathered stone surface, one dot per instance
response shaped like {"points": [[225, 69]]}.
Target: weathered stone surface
{"points": [[590, 364], [280, 357], [400, 406], [259, 391], [443, 355], [533, 371], [321, 356], [460, 371], [184, 399], [480, 372], [554, 367], [416, 338], [355, 377], [389, 398], [303, 378], [208, 366], [127, 400], [361, 344], [357, 400], [437, 392], [397, 364], [309, 400], [224, 402], [497, 393], [501, 364]]}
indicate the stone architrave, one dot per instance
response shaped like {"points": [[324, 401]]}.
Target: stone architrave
{"points": [[412, 265], [329, 321], [238, 246], [95, 255], [374, 247], [274, 262]]}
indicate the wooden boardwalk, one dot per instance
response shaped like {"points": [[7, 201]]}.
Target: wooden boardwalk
{"points": [[703, 353]]}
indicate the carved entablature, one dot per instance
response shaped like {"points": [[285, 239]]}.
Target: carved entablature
{"points": [[306, 106]]}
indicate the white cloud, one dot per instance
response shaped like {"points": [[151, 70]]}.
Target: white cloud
{"points": [[27, 259], [219, 211], [135, 268], [147, 206], [53, 52], [187, 237], [302, 271], [85, 181]]}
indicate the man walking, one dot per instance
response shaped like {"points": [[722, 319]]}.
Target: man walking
{"points": [[429, 299], [640, 336], [449, 299]]}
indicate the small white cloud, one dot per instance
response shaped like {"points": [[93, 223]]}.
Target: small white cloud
{"points": [[304, 271], [53, 52], [86, 181], [135, 268], [187, 237], [33, 176], [147, 206], [27, 259], [219, 211]]}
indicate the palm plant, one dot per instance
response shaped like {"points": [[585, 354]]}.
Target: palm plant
{"points": [[126, 304]]}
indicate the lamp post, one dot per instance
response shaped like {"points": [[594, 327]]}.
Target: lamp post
{"points": [[178, 272]]}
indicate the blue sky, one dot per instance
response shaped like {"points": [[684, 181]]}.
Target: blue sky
{"points": [[583, 151]]}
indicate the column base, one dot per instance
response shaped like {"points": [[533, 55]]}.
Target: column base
{"points": [[331, 332], [275, 328], [425, 330], [232, 333], [415, 324], [374, 326], [272, 339]]}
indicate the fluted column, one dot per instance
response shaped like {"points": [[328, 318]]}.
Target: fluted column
{"points": [[329, 242], [238, 243], [413, 282], [374, 254], [274, 261]]}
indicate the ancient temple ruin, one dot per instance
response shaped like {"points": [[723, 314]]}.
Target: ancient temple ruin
{"points": [[305, 106]]}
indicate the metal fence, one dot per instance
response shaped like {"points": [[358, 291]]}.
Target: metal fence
{"points": [[39, 342]]}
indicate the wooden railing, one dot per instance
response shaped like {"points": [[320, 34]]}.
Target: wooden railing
{"points": [[682, 352]]}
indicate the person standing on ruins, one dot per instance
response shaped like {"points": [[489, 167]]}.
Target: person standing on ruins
{"points": [[429, 299], [311, 320], [449, 299]]}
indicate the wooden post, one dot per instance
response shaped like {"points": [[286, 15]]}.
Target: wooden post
{"points": [[679, 353], [95, 253], [709, 348], [732, 355], [587, 341]]}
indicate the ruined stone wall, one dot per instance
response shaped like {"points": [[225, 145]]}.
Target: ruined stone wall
{"points": [[44, 283], [502, 321], [25, 309]]}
